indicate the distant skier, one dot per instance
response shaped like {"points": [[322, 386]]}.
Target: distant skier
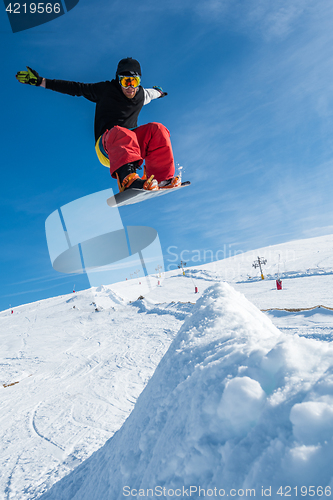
{"points": [[120, 143]]}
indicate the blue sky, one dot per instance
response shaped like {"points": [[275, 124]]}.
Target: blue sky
{"points": [[250, 111]]}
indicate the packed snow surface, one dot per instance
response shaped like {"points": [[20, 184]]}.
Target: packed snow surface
{"points": [[232, 387]]}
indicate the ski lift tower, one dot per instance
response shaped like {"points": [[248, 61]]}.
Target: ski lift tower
{"points": [[182, 264], [158, 269], [258, 263]]}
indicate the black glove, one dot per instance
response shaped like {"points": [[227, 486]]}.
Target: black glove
{"points": [[30, 77], [163, 94]]}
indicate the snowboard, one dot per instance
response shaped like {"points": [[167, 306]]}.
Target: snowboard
{"points": [[131, 196]]}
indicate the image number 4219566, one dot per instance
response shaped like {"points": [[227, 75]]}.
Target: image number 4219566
{"points": [[24, 14]]}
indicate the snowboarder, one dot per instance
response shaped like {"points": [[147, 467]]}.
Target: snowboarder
{"points": [[120, 143]]}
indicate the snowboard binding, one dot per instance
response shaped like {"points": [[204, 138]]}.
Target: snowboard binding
{"points": [[128, 178]]}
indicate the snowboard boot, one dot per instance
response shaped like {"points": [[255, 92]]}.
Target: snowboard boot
{"points": [[174, 182], [128, 178]]}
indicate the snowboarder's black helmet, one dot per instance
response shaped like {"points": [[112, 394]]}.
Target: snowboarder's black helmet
{"points": [[128, 67]]}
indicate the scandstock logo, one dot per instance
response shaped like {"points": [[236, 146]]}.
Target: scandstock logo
{"points": [[24, 15]]}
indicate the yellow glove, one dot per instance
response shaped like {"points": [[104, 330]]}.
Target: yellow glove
{"points": [[30, 77]]}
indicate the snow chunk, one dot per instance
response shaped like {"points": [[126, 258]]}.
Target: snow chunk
{"points": [[242, 403], [312, 422]]}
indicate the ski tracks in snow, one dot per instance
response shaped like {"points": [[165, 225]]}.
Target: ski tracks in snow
{"points": [[55, 449]]}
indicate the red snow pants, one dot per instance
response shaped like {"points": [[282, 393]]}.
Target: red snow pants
{"points": [[150, 142]]}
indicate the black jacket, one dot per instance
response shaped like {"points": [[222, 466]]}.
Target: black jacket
{"points": [[112, 106]]}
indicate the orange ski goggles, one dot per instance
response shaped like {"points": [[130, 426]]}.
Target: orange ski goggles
{"points": [[129, 81]]}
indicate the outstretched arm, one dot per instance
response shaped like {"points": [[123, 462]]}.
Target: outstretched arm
{"points": [[90, 91], [154, 93]]}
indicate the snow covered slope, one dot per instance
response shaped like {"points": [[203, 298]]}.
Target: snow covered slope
{"points": [[242, 399], [70, 375], [234, 406]]}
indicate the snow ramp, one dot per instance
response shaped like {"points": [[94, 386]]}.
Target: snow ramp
{"points": [[235, 408]]}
